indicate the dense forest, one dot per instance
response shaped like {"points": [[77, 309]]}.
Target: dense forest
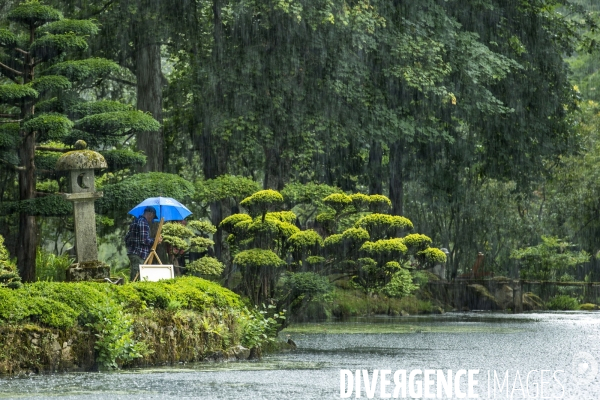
{"points": [[477, 121]]}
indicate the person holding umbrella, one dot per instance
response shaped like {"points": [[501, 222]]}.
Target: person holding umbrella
{"points": [[138, 241], [141, 248]]}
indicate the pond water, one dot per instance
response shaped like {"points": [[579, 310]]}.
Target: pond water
{"points": [[565, 345]]}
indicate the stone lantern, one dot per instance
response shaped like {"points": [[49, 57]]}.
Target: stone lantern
{"points": [[80, 165]]}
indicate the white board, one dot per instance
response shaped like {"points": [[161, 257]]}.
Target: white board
{"points": [[153, 273]]}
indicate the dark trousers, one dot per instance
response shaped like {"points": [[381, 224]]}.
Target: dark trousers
{"points": [[134, 266]]}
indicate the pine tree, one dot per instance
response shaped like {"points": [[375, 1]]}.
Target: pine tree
{"points": [[47, 103]]}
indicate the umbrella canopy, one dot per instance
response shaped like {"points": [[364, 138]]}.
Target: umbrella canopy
{"points": [[166, 207]]}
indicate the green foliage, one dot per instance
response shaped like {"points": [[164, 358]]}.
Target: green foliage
{"points": [[7, 38], [295, 193], [200, 244], [360, 201], [286, 229], [13, 93], [3, 251], [50, 267], [206, 266], [416, 242], [224, 187], [47, 206], [204, 227], [176, 243], [382, 226], [115, 340], [78, 27], [549, 259], [9, 135], [327, 220], [82, 109], [267, 229], [9, 276], [587, 307], [50, 46], [379, 203], [17, 305], [118, 159], [314, 260], [123, 196], [333, 240], [257, 258], [63, 305], [385, 249], [306, 285], [356, 235], [259, 328], [431, 256], [49, 126], [230, 222], [51, 83], [338, 201], [562, 302], [34, 14], [400, 285], [177, 229], [283, 216], [261, 202], [184, 238], [304, 240], [80, 297], [81, 70], [118, 123]]}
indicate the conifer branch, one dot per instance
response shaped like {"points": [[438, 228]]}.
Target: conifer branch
{"points": [[128, 137], [22, 51], [11, 121], [12, 166], [100, 11], [14, 71], [123, 81], [8, 115]]}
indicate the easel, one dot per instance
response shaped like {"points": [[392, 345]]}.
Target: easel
{"points": [[153, 254]]}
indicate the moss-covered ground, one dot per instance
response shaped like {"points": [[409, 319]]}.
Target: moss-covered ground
{"points": [[49, 326]]}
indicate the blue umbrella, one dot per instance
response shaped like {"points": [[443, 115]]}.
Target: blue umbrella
{"points": [[166, 207]]}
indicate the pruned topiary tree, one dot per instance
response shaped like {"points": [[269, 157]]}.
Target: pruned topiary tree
{"points": [[46, 106], [260, 271]]}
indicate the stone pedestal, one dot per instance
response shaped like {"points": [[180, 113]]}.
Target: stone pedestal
{"points": [[81, 164], [86, 247], [88, 271]]}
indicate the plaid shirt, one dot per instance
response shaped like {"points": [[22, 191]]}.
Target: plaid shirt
{"points": [[138, 240]]}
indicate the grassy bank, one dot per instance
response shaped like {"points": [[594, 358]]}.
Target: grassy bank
{"points": [[53, 326], [344, 303], [349, 303]]}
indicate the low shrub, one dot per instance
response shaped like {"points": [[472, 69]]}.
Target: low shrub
{"points": [[562, 303], [50, 267]]}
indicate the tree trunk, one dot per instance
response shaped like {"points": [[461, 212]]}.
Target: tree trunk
{"points": [[396, 178], [26, 242], [210, 156], [375, 170], [275, 169], [149, 98]]}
